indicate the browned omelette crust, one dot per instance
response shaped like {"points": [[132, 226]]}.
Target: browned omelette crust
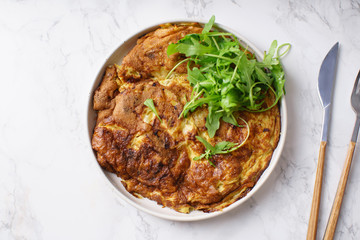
{"points": [[153, 158]]}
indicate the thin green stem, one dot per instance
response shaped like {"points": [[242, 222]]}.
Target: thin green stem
{"points": [[236, 67], [217, 46], [177, 65], [286, 50], [191, 101], [220, 57]]}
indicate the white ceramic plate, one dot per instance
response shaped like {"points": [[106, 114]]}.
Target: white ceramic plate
{"points": [[144, 204]]}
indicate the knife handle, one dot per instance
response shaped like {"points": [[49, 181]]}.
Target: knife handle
{"points": [[335, 210], [314, 213]]}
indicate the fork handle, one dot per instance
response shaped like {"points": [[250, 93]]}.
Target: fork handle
{"points": [[335, 211], [314, 214]]}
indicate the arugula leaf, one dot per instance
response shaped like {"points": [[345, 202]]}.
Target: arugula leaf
{"points": [[150, 103], [262, 76], [219, 148], [206, 144], [209, 25], [223, 147], [230, 119], [226, 77], [195, 76], [172, 48], [213, 122], [190, 45], [269, 57]]}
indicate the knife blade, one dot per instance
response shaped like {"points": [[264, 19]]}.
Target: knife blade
{"points": [[325, 86]]}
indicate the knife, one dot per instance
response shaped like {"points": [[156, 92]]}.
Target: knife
{"points": [[325, 87]]}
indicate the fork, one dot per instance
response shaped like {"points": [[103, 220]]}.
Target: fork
{"points": [[335, 210]]}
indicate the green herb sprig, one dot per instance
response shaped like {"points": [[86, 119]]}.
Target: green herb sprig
{"points": [[150, 103], [226, 76], [221, 147]]}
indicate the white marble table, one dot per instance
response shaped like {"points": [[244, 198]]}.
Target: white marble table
{"points": [[49, 55]]}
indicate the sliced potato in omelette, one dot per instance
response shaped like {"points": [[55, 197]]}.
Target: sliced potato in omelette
{"points": [[154, 158]]}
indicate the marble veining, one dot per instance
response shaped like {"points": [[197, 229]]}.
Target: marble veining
{"points": [[50, 52]]}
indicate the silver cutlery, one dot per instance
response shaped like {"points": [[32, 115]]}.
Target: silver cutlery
{"points": [[335, 211], [325, 85]]}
